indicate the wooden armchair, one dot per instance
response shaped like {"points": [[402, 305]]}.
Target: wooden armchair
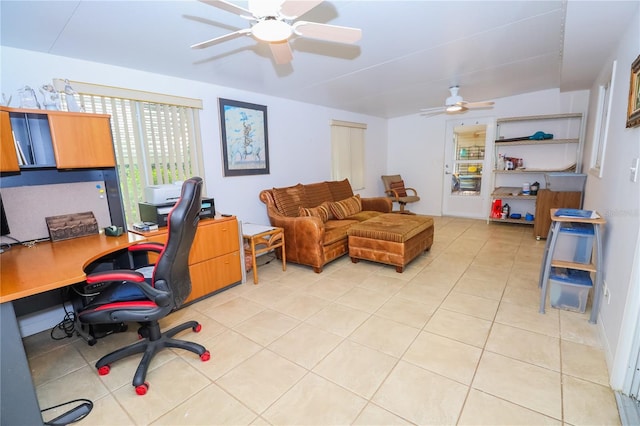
{"points": [[394, 188]]}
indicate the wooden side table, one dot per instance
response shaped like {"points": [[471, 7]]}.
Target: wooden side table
{"points": [[262, 239], [595, 266]]}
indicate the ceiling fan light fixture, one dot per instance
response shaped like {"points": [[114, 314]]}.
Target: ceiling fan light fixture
{"points": [[271, 30], [454, 108]]}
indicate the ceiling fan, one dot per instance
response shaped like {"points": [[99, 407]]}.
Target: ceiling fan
{"points": [[274, 21], [454, 104]]}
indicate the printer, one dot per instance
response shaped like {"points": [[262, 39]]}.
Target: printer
{"points": [[162, 194], [160, 199]]}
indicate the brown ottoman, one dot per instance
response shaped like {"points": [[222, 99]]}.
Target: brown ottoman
{"points": [[393, 239]]}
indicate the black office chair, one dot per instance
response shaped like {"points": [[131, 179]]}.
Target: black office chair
{"points": [[132, 297]]}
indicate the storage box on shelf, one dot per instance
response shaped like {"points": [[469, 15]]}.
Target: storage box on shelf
{"points": [[526, 148], [575, 243], [569, 289]]}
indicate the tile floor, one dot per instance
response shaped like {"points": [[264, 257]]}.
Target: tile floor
{"points": [[455, 339]]}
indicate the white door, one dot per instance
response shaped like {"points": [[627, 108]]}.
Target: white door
{"points": [[467, 168]]}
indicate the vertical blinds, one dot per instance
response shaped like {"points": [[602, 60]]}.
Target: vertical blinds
{"points": [[347, 152], [154, 143]]}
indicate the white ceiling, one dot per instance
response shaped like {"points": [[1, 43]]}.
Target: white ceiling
{"points": [[410, 52]]}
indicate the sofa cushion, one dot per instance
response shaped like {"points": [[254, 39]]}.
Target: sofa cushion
{"points": [[290, 199], [364, 215], [399, 188], [347, 207], [321, 212], [317, 193], [336, 230], [327, 204], [340, 189]]}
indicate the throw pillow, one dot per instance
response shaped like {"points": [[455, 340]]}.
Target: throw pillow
{"points": [[321, 212], [347, 207], [399, 188]]}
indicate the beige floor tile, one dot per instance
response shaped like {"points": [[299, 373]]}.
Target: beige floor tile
{"points": [[338, 319], [363, 299], [356, 367], [385, 335], [484, 409], [235, 311], [165, 392], [55, 364], [475, 306], [268, 294], [405, 311], [522, 296], [495, 273], [523, 345], [420, 396], [227, 351], [449, 358], [300, 305], [209, 327], [210, 406], [585, 362], [387, 286], [587, 403], [266, 326], [427, 295], [372, 415], [528, 318], [482, 288], [81, 383], [106, 411], [576, 327], [315, 401], [530, 386], [460, 327], [261, 380], [329, 288], [306, 345]]}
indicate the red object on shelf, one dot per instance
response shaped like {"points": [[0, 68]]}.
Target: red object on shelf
{"points": [[496, 209]]}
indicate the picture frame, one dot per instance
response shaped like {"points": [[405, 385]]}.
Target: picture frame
{"points": [[244, 137], [633, 111]]}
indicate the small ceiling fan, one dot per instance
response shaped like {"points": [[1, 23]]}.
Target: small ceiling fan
{"points": [[274, 21], [454, 104]]}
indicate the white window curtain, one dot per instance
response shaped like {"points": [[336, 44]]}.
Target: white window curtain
{"points": [[347, 152], [156, 137]]}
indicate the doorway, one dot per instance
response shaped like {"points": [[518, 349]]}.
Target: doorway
{"points": [[467, 168]]}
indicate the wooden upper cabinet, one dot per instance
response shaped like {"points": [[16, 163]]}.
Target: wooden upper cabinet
{"points": [[8, 155], [81, 140]]}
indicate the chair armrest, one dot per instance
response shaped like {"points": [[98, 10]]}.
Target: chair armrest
{"points": [[415, 193], [159, 297], [147, 246], [378, 204]]}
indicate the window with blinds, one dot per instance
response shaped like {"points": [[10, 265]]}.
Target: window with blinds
{"points": [[347, 152], [155, 142]]}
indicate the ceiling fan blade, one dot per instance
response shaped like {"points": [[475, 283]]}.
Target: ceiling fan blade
{"points": [[483, 104], [281, 52], [291, 9], [220, 39], [430, 112], [230, 7], [327, 32]]}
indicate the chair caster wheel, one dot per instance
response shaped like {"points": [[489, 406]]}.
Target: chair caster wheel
{"points": [[92, 342], [197, 328], [142, 389], [104, 370], [205, 356]]}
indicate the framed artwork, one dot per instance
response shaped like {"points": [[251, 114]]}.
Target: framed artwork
{"points": [[245, 144], [633, 111]]}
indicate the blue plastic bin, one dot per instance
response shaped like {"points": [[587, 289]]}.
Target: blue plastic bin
{"points": [[574, 243], [569, 289]]}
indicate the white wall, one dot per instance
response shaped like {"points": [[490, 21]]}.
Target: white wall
{"points": [[299, 133], [416, 143], [618, 199]]}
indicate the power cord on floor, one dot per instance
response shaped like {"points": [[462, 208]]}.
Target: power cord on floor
{"points": [[67, 325], [75, 414]]}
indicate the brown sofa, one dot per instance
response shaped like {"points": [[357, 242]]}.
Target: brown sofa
{"points": [[316, 218]]}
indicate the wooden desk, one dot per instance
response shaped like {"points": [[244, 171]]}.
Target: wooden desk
{"points": [[26, 271]]}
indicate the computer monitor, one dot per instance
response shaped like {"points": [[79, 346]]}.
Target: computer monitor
{"points": [[4, 225]]}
